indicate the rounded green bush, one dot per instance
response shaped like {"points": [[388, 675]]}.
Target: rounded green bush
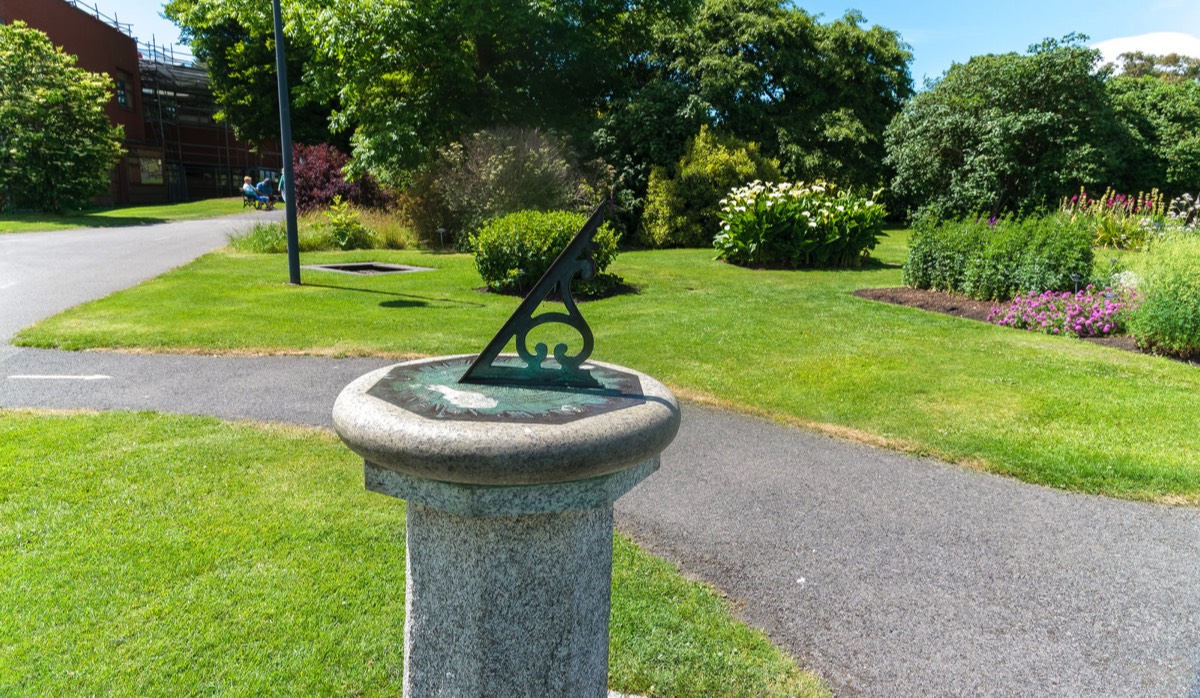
{"points": [[1167, 320], [512, 252], [682, 204]]}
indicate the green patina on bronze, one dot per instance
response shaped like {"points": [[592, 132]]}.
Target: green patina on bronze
{"points": [[432, 389], [537, 366]]}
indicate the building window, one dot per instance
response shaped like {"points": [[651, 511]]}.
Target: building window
{"points": [[151, 170], [122, 85]]}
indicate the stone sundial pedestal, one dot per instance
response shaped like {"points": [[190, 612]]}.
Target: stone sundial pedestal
{"points": [[510, 479]]}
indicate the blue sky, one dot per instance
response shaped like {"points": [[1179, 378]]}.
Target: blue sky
{"points": [[940, 32]]}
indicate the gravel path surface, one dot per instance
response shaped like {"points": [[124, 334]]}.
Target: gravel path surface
{"points": [[889, 575]]}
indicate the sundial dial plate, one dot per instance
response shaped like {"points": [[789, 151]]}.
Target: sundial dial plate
{"points": [[431, 389]]}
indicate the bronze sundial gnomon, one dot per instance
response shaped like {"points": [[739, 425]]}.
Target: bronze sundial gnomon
{"points": [[537, 367], [535, 385]]}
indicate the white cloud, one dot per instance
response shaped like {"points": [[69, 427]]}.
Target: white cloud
{"points": [[1156, 43]]}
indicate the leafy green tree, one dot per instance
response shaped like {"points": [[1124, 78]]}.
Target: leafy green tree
{"points": [[1161, 148], [817, 96], [236, 41], [57, 146], [415, 76], [1172, 67], [1006, 132]]}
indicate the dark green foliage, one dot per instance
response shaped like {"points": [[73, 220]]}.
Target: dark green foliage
{"points": [[682, 203], [794, 226], [1168, 318], [452, 67], [1006, 133], [816, 96], [652, 128], [236, 41], [57, 145], [999, 259], [1160, 144], [493, 173], [512, 252]]}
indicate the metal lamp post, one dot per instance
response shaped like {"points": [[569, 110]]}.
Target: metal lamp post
{"points": [[285, 142]]}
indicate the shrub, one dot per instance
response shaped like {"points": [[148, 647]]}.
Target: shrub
{"points": [[512, 252], [344, 228], [797, 225], [682, 205], [321, 176], [1167, 320], [1085, 313], [490, 174], [997, 259]]}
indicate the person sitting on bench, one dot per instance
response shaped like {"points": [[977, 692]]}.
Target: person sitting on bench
{"points": [[267, 188], [252, 194]]}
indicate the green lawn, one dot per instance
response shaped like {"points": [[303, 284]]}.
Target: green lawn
{"points": [[151, 555], [795, 346], [118, 217]]}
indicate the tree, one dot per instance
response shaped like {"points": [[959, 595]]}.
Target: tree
{"points": [[414, 77], [57, 146], [1161, 143], [1172, 67], [236, 42], [1006, 132], [817, 96]]}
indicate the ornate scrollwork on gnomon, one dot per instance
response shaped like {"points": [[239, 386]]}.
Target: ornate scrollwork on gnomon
{"points": [[540, 366]]}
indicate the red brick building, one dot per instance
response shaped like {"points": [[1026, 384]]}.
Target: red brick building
{"points": [[175, 149]]}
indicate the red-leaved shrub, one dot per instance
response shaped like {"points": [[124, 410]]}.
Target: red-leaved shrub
{"points": [[320, 176]]}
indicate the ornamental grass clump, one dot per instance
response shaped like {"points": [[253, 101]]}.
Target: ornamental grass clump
{"points": [[797, 225], [1167, 321], [1085, 313]]}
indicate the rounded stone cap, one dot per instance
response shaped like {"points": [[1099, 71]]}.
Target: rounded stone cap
{"points": [[414, 418]]}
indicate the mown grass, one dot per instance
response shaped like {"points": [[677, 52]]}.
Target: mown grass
{"points": [[119, 217], [795, 346], [151, 555]]}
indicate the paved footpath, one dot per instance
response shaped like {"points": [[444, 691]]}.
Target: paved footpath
{"points": [[889, 575]]}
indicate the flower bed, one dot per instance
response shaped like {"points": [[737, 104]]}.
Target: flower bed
{"points": [[1085, 313], [797, 225]]}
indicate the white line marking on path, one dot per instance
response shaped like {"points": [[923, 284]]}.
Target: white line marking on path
{"points": [[61, 378]]}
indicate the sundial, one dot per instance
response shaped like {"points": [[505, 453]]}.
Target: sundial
{"points": [[536, 384]]}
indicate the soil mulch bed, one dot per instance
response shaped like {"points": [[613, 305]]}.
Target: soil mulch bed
{"points": [[961, 306]]}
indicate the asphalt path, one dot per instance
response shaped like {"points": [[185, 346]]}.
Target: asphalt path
{"points": [[889, 575]]}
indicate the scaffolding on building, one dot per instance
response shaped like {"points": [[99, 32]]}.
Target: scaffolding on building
{"points": [[201, 156]]}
